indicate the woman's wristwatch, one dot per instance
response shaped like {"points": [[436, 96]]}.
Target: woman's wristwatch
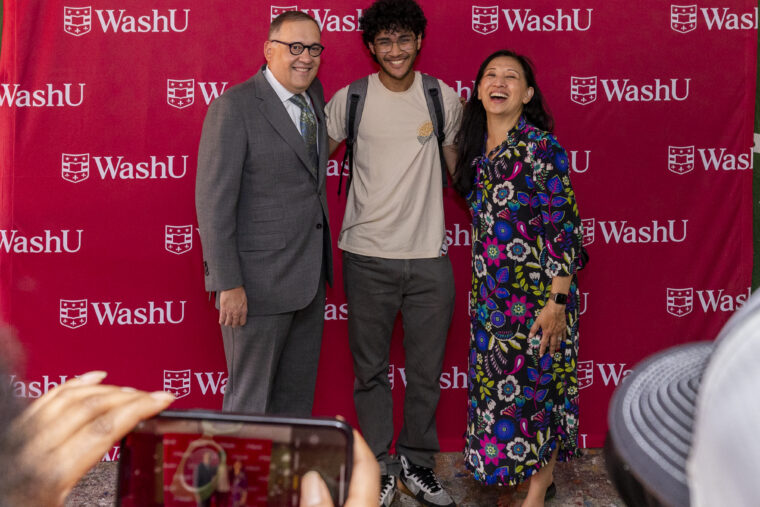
{"points": [[560, 299]]}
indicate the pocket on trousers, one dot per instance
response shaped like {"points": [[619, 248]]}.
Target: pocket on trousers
{"points": [[257, 242], [361, 259]]}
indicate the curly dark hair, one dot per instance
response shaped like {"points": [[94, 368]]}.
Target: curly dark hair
{"points": [[392, 15], [473, 130]]}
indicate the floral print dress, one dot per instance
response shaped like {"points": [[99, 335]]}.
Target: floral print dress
{"points": [[526, 230]]}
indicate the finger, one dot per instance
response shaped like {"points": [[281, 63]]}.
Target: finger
{"points": [[365, 476], [544, 343], [243, 319], [89, 378], [222, 317], [554, 344], [87, 446], [314, 492], [72, 409], [534, 329]]}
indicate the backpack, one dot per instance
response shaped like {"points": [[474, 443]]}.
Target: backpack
{"points": [[357, 92]]}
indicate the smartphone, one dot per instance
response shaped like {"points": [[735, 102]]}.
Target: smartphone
{"points": [[215, 459]]}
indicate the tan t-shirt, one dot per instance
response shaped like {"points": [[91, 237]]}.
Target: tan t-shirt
{"points": [[394, 208]]}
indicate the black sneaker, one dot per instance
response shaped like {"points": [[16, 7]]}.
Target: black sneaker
{"points": [[387, 489], [423, 485]]}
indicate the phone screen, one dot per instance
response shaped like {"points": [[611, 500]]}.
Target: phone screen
{"points": [[226, 460]]}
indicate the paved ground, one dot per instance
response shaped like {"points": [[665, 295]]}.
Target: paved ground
{"points": [[581, 483]]}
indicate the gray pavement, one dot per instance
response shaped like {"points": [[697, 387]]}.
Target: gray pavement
{"points": [[581, 483]]}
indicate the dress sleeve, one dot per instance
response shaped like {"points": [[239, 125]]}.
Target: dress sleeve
{"points": [[563, 233]]}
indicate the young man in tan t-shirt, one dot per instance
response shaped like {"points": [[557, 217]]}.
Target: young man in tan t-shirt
{"points": [[394, 247]]}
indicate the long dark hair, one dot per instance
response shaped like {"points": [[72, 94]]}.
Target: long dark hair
{"points": [[472, 133]]}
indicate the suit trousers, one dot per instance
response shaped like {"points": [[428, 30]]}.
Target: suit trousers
{"points": [[376, 290], [272, 361]]}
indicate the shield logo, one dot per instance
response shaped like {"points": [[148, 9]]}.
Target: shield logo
{"points": [[180, 93], [276, 10], [75, 168], [680, 159], [391, 376], [178, 239], [177, 382], [588, 231], [77, 20], [585, 374], [683, 18], [73, 313], [485, 20], [679, 302], [583, 90]]}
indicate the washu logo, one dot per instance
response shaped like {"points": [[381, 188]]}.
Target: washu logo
{"points": [[73, 313], [59, 241], [558, 20], [684, 18], [452, 378], [682, 159], [75, 168], [681, 302], [580, 161], [35, 388], [327, 20], [78, 21], [611, 373], [485, 20], [51, 95], [334, 311], [585, 90], [620, 231], [180, 93], [179, 382], [178, 239]]}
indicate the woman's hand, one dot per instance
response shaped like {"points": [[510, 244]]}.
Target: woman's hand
{"points": [[552, 322], [69, 429]]}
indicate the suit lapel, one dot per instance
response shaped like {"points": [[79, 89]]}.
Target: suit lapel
{"points": [[273, 110]]}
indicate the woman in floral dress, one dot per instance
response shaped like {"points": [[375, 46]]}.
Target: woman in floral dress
{"points": [[523, 391]]}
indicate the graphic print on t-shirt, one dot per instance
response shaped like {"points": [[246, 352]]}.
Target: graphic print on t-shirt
{"points": [[425, 132]]}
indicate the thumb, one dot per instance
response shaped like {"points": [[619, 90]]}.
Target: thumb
{"points": [[314, 491]]}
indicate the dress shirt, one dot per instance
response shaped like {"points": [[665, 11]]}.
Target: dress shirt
{"points": [[292, 108]]}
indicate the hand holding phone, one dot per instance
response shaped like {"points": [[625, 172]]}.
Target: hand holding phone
{"points": [[363, 490], [219, 459], [66, 431]]}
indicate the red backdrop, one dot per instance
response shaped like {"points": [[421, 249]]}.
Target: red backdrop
{"points": [[102, 104]]}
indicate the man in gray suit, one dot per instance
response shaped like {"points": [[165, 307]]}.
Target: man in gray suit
{"points": [[262, 212]]}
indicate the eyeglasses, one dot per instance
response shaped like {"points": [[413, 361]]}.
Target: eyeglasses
{"points": [[405, 43], [296, 48]]}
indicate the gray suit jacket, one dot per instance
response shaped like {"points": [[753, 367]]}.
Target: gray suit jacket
{"points": [[261, 207]]}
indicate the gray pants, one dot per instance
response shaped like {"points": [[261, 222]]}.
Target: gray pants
{"points": [[376, 289], [272, 361]]}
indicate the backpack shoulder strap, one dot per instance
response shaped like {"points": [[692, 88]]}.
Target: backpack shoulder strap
{"points": [[437, 116], [357, 93]]}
